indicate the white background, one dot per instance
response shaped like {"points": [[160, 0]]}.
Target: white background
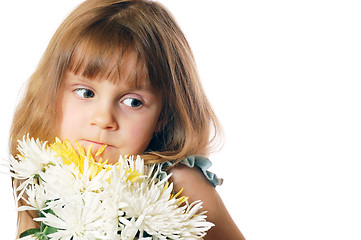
{"points": [[283, 77]]}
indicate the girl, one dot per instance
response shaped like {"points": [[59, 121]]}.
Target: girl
{"points": [[121, 73]]}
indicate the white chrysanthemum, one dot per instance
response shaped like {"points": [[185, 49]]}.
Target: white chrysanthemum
{"points": [[82, 218], [36, 198], [149, 207], [33, 158], [65, 181], [59, 182], [85, 199]]}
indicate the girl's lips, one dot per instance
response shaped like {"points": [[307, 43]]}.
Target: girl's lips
{"points": [[96, 143], [93, 142], [95, 146]]}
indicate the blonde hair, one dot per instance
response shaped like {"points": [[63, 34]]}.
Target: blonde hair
{"points": [[92, 41]]}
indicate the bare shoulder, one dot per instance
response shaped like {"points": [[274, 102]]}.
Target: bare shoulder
{"points": [[197, 187], [191, 179]]}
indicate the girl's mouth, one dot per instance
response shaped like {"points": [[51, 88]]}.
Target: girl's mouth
{"points": [[95, 145], [94, 142]]}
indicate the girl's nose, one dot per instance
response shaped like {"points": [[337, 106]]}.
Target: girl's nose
{"points": [[104, 118]]}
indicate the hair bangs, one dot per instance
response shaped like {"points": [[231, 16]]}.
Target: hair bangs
{"points": [[109, 53]]}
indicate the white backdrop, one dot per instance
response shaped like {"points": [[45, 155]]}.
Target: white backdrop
{"points": [[283, 77]]}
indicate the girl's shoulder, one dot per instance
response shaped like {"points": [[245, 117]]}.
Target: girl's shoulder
{"points": [[195, 162], [195, 182]]}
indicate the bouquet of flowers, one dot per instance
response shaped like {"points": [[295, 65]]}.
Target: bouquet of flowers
{"points": [[78, 197]]}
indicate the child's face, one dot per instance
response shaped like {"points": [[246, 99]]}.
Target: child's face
{"points": [[100, 112]]}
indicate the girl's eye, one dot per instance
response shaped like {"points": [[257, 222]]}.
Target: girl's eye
{"points": [[132, 102], [84, 93]]}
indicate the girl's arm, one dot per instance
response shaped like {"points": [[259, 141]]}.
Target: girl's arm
{"points": [[197, 187], [25, 222]]}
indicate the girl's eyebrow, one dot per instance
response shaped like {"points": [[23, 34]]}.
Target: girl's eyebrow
{"points": [[139, 87], [74, 76]]}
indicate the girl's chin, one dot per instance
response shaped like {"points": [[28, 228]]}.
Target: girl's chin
{"points": [[102, 158], [110, 153]]}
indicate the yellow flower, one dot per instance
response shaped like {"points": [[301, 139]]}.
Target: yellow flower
{"points": [[69, 155], [133, 175]]}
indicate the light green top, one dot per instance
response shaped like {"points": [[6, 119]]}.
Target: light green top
{"points": [[202, 163]]}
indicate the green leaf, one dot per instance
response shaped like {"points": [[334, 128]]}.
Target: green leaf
{"points": [[41, 236], [50, 211], [42, 227], [29, 232], [50, 230]]}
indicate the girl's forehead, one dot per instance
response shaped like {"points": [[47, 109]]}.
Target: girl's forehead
{"points": [[125, 65]]}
